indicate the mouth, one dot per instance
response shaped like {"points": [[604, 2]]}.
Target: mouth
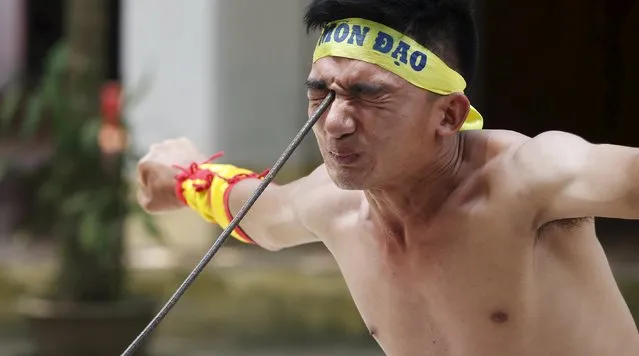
{"points": [[344, 158]]}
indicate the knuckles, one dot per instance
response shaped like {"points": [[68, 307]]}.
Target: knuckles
{"points": [[155, 172]]}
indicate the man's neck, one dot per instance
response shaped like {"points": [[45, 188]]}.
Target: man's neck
{"points": [[419, 197]]}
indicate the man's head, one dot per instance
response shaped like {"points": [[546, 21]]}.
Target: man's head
{"points": [[381, 127]]}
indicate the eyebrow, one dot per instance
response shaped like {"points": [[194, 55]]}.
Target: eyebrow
{"points": [[316, 84], [362, 88], [359, 88]]}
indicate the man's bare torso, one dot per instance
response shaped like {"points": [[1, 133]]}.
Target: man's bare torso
{"points": [[478, 278]]}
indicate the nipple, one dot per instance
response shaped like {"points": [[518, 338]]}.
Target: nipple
{"points": [[499, 317]]}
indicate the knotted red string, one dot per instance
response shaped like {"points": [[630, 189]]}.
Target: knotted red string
{"points": [[206, 176]]}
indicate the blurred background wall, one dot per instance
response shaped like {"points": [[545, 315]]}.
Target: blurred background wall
{"points": [[229, 74], [11, 39]]}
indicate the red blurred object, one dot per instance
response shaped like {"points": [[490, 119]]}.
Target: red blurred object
{"points": [[110, 98]]}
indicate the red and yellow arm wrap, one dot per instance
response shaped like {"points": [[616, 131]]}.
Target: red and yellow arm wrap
{"points": [[206, 188]]}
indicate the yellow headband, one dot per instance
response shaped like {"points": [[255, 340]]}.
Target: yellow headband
{"points": [[375, 43]]}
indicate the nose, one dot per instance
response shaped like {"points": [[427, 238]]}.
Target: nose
{"points": [[338, 123]]}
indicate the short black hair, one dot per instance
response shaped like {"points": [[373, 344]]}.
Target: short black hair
{"points": [[446, 27]]}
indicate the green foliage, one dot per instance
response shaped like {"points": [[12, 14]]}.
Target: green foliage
{"points": [[82, 197]]}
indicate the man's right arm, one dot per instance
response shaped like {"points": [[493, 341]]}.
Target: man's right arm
{"points": [[273, 222]]}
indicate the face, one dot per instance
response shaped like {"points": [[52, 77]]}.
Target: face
{"points": [[380, 129]]}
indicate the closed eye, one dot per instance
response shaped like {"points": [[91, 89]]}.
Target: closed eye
{"points": [[366, 89], [316, 89]]}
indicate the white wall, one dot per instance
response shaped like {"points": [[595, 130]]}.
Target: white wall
{"points": [[171, 41], [11, 39], [228, 74], [261, 61]]}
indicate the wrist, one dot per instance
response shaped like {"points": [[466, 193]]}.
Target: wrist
{"points": [[199, 178], [197, 175], [205, 187]]}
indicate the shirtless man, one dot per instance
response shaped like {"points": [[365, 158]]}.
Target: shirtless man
{"points": [[453, 241]]}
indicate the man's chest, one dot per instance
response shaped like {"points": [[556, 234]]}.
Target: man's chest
{"points": [[464, 288]]}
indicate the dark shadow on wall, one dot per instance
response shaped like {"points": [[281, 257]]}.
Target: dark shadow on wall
{"points": [[563, 65], [45, 26]]}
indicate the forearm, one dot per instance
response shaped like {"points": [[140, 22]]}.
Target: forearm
{"points": [[272, 221]]}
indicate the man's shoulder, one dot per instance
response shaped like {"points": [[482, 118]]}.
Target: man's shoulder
{"points": [[551, 153], [520, 168], [531, 163], [513, 161], [517, 145], [551, 141]]}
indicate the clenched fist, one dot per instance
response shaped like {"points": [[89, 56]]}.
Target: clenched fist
{"points": [[156, 173]]}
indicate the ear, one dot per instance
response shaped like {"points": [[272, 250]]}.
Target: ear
{"points": [[454, 109]]}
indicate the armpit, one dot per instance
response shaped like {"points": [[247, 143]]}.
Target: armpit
{"points": [[564, 224]]}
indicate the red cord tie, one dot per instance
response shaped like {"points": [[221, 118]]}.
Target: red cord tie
{"points": [[194, 172]]}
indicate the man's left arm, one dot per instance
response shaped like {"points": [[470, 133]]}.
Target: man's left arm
{"points": [[574, 178]]}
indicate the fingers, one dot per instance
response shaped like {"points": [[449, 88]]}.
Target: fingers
{"points": [[144, 171], [156, 173], [156, 187], [143, 200], [143, 194]]}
